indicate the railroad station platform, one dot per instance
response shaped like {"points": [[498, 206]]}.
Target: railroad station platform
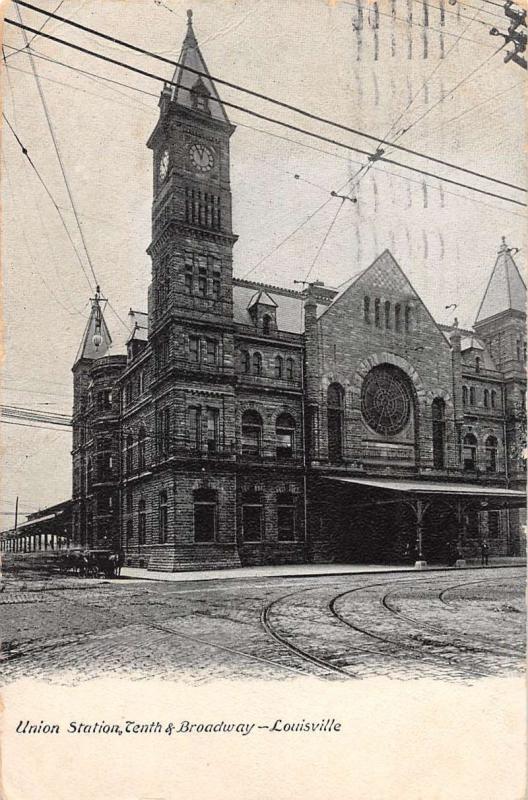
{"points": [[302, 570]]}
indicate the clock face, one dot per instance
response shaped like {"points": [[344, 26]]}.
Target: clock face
{"points": [[385, 400], [164, 165], [202, 157]]}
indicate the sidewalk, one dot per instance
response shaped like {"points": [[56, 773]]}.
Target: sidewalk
{"points": [[298, 571]]}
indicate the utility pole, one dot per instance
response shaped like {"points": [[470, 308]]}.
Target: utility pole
{"points": [[518, 38]]}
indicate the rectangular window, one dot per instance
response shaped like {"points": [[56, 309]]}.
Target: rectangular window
{"points": [[204, 522], [284, 443], [202, 286], [252, 523], [163, 517], [166, 428], [213, 424], [251, 439], [188, 279], [216, 288], [194, 349], [194, 428], [211, 351], [493, 524], [285, 523]]}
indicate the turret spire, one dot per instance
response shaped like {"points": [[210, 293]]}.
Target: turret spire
{"points": [[505, 290]]}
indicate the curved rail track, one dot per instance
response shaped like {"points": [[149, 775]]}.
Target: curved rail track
{"points": [[475, 644]]}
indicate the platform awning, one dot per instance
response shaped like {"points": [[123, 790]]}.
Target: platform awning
{"points": [[494, 495]]}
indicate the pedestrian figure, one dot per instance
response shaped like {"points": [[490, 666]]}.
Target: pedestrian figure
{"points": [[120, 561], [484, 549]]}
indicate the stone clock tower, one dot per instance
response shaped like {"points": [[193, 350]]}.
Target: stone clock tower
{"points": [[192, 236], [191, 423]]}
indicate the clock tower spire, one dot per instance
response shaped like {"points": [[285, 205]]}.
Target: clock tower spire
{"points": [[192, 236]]}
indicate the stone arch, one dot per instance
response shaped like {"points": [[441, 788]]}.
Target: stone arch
{"points": [[383, 357], [285, 409], [250, 405]]}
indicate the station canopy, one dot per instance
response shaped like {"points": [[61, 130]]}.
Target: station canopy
{"points": [[488, 497]]}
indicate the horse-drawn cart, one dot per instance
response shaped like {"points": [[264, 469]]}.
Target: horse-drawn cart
{"points": [[90, 563]]}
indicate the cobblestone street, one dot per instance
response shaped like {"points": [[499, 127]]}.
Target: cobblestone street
{"points": [[451, 625]]}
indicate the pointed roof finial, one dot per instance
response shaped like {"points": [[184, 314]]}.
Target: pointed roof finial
{"points": [[504, 247], [189, 16]]}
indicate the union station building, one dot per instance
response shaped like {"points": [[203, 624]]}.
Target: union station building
{"points": [[242, 423]]}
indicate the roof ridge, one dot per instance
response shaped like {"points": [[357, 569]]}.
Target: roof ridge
{"points": [[266, 286]]}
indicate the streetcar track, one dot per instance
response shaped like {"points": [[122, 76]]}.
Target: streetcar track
{"points": [[277, 634], [399, 645], [164, 629], [266, 624], [473, 643]]}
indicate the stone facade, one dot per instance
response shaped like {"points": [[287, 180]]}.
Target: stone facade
{"points": [[212, 441]]}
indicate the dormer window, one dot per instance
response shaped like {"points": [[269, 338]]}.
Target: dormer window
{"points": [[200, 97], [266, 325]]}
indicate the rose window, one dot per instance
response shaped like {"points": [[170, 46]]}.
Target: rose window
{"points": [[386, 400]]}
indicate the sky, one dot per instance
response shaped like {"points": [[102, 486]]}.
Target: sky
{"points": [[429, 70]]}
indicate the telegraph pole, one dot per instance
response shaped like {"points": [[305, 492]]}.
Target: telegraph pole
{"points": [[514, 36]]}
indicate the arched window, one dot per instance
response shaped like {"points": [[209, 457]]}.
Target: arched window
{"points": [[285, 430], [408, 318], [486, 398], [290, 373], [397, 317], [335, 399], [465, 395], [278, 367], [493, 398], [387, 308], [257, 364], [469, 452], [142, 522], [251, 433], [491, 454], [438, 415], [246, 361], [252, 517], [366, 309], [285, 518], [163, 518], [377, 312], [142, 435], [472, 396], [205, 504], [129, 454], [266, 324]]}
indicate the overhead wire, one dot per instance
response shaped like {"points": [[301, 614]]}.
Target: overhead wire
{"points": [[416, 94], [302, 224], [451, 91], [155, 95], [56, 147], [298, 143], [295, 127], [231, 85], [30, 425], [325, 239], [71, 311], [413, 23], [35, 36], [48, 192]]}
